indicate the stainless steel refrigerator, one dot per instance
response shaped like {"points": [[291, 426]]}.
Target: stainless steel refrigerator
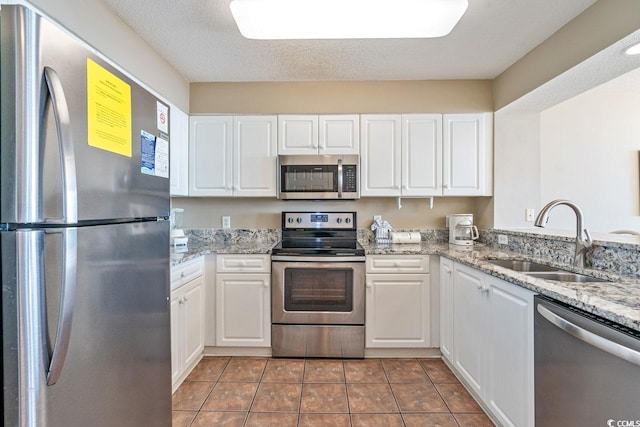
{"points": [[84, 237]]}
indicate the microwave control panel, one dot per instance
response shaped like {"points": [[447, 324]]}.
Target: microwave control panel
{"points": [[349, 176]]}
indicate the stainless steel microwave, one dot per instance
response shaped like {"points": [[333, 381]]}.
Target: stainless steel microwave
{"points": [[318, 177]]}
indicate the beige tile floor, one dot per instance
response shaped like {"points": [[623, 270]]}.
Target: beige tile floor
{"points": [[242, 391]]}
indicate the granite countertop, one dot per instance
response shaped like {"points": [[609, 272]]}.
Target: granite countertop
{"points": [[196, 248], [617, 300]]}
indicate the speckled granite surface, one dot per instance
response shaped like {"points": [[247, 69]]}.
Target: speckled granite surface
{"points": [[621, 255], [617, 300], [225, 241]]}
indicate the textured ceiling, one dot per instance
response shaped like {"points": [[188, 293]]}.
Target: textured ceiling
{"points": [[201, 40]]}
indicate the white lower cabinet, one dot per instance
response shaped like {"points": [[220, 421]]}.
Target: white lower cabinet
{"points": [[491, 344], [446, 308], [509, 386], [397, 301], [243, 301], [469, 330], [187, 319]]}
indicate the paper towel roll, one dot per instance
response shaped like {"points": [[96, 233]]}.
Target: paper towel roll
{"points": [[405, 237]]}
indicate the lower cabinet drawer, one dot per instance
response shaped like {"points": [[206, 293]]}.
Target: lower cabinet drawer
{"points": [[236, 263], [416, 264]]}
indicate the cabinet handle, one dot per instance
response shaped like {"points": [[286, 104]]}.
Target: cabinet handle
{"points": [[449, 273], [485, 289], [369, 284], [265, 285], [446, 185], [186, 299], [182, 274]]}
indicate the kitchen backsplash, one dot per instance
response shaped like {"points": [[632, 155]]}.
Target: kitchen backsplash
{"points": [[615, 257], [234, 235]]}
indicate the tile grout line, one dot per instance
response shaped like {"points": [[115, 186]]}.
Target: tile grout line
{"points": [[345, 382], [439, 394]]}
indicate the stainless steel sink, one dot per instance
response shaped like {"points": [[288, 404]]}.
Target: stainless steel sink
{"points": [[543, 271], [524, 266], [565, 276]]}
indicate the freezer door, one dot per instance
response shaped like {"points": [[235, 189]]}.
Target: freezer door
{"points": [[113, 357], [75, 145]]}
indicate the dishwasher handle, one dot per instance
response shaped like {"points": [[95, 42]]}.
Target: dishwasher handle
{"points": [[618, 350]]}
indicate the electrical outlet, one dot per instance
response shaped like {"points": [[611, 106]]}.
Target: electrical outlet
{"points": [[503, 239], [226, 222], [529, 215]]}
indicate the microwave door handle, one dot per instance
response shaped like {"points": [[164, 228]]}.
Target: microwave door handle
{"points": [[340, 179], [53, 90]]}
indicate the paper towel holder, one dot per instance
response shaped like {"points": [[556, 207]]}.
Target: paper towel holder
{"points": [[399, 200]]}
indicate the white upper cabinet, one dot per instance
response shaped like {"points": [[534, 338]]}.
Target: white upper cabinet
{"points": [[179, 155], [380, 150], [339, 134], [210, 155], [313, 134], [468, 154], [254, 156], [233, 156], [421, 155], [298, 134]]}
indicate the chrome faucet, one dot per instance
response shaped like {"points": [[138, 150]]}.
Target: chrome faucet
{"points": [[582, 244]]}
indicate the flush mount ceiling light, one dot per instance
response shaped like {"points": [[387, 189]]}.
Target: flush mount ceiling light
{"points": [[346, 19], [633, 50]]}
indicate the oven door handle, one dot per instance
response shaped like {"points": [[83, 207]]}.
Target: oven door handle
{"points": [[328, 259], [340, 179], [590, 338]]}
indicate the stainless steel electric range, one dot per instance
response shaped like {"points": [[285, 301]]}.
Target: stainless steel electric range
{"points": [[318, 282]]}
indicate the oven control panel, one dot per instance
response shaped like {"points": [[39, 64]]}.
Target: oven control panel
{"points": [[339, 220]]}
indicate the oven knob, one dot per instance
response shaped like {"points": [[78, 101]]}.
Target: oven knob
{"points": [[289, 220], [348, 220], [339, 220], [299, 220]]}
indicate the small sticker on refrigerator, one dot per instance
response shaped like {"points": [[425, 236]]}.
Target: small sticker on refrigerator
{"points": [[163, 117], [154, 155]]}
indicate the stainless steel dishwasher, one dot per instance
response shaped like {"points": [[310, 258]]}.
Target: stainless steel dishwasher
{"points": [[587, 369]]}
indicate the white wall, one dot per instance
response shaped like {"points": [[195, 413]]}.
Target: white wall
{"points": [[516, 167], [589, 149], [100, 27]]}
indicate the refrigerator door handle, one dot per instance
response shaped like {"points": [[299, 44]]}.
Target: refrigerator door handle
{"points": [[55, 92], [67, 297], [32, 352]]}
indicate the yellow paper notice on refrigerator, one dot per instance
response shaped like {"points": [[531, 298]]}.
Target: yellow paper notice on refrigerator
{"points": [[109, 110]]}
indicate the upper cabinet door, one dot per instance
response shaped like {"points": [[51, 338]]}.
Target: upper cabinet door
{"points": [[339, 134], [421, 154], [210, 156], [468, 154], [297, 134], [179, 155], [254, 165], [380, 155]]}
